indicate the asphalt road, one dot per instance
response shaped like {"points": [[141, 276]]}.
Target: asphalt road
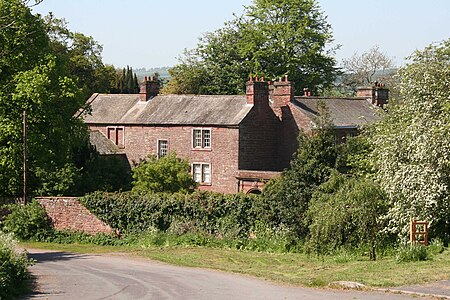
{"points": [[62, 275]]}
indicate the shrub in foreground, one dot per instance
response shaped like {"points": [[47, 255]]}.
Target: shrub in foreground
{"points": [[415, 252], [26, 222], [345, 212], [13, 267]]}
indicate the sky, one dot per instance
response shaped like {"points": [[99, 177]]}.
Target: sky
{"points": [[149, 33]]}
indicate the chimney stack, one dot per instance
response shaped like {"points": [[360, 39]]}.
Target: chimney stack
{"points": [[377, 94], [149, 88], [281, 94], [257, 92]]}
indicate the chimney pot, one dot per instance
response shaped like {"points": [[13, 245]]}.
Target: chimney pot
{"points": [[257, 93], [281, 95]]}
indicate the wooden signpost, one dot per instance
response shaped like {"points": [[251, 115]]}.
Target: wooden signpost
{"points": [[418, 232]]}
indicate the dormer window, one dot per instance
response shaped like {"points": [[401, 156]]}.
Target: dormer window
{"points": [[201, 139]]}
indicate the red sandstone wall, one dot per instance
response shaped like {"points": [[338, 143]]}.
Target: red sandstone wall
{"points": [[67, 213], [140, 141], [259, 140]]}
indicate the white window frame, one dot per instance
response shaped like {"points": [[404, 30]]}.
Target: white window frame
{"points": [[203, 140], [158, 147], [115, 130], [201, 176]]}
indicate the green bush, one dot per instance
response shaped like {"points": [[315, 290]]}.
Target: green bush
{"points": [[436, 246], [26, 221], [166, 174], [345, 212], [13, 267], [410, 253]]}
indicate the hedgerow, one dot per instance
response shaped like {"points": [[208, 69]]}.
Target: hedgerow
{"points": [[211, 213], [201, 218]]}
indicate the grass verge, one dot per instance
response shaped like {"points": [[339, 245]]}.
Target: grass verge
{"points": [[290, 268]]}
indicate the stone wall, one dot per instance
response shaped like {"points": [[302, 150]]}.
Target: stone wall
{"points": [[67, 213]]}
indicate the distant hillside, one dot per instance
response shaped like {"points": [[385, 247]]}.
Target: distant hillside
{"points": [[162, 71]]}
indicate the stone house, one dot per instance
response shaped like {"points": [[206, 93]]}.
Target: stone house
{"points": [[233, 143]]}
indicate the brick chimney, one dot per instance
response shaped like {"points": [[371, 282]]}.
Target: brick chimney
{"points": [[282, 92], [378, 95], [257, 92], [149, 88]]}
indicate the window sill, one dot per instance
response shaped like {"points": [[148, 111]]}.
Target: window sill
{"points": [[204, 184], [201, 149]]}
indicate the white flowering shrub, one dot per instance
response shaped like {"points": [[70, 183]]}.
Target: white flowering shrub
{"points": [[13, 267], [412, 144]]}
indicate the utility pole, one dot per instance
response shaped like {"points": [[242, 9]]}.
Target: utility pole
{"points": [[25, 157]]}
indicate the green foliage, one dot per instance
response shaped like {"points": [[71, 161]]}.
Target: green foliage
{"points": [[70, 237], [166, 174], [51, 101], [126, 82], [23, 40], [26, 221], [201, 219], [201, 212], [345, 212], [436, 246], [48, 71], [107, 173], [410, 253], [13, 267], [287, 198], [271, 39], [35, 79], [80, 57], [188, 77], [354, 156], [62, 181], [411, 144]]}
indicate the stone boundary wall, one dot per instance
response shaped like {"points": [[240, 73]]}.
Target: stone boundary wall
{"points": [[67, 213]]}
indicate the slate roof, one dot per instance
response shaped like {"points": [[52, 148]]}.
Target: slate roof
{"points": [[344, 112], [103, 145], [167, 109]]}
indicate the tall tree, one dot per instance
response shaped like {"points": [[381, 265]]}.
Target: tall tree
{"points": [[81, 56], [21, 33], [271, 39], [364, 69], [412, 143], [126, 82], [33, 79], [288, 197]]}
